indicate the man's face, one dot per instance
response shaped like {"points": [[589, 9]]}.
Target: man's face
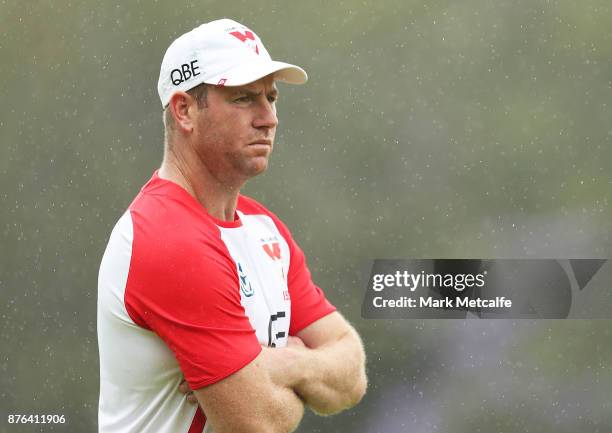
{"points": [[235, 131]]}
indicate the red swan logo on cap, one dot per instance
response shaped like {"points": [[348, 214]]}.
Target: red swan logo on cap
{"points": [[248, 37]]}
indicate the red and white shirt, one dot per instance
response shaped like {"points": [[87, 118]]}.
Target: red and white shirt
{"points": [[181, 293]]}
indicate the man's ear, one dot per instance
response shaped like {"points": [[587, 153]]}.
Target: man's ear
{"points": [[181, 106]]}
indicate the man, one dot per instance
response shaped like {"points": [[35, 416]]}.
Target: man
{"points": [[201, 282]]}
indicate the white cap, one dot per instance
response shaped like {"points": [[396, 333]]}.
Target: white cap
{"points": [[222, 53]]}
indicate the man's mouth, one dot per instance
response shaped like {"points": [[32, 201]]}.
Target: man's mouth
{"points": [[261, 143]]}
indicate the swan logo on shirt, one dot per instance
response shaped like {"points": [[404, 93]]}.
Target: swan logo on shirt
{"points": [[272, 250], [245, 285]]}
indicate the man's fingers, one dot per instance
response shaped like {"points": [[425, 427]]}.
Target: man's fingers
{"points": [[184, 387], [295, 341]]}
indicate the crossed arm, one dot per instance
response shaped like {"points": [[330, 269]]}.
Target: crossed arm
{"points": [[324, 368]]}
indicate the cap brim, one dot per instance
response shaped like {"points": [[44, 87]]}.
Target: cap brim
{"points": [[250, 72]]}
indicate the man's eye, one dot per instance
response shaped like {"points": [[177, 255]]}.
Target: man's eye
{"points": [[242, 99], [272, 99]]}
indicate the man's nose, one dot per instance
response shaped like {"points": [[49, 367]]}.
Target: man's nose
{"points": [[266, 115]]}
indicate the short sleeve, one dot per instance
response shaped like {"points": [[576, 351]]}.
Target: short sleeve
{"points": [[186, 291]]}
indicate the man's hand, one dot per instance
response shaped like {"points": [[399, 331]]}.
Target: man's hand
{"points": [[331, 365], [184, 388], [294, 342]]}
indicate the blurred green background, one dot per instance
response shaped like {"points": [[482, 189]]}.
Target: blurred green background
{"points": [[473, 129]]}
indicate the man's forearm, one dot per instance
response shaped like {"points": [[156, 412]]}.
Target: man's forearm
{"points": [[332, 377], [283, 408], [279, 411]]}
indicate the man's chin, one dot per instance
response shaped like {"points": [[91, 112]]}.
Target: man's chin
{"points": [[258, 166]]}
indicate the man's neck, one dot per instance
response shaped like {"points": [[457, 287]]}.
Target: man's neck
{"points": [[219, 200]]}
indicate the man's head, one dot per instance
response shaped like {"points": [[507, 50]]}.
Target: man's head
{"points": [[229, 131], [217, 88]]}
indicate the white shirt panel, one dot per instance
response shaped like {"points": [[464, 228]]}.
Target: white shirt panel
{"points": [[262, 275], [139, 375]]}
